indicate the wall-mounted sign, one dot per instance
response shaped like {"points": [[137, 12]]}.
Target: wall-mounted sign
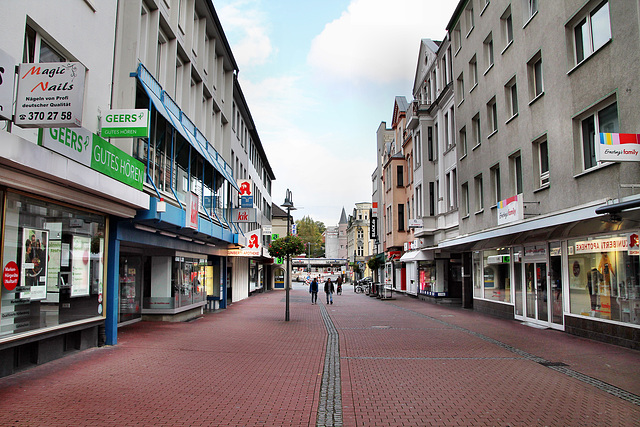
{"points": [[510, 210], [50, 95], [373, 228], [253, 248], [246, 195], [125, 124], [89, 149], [415, 223], [618, 147], [633, 243], [191, 218], [244, 215], [7, 75], [267, 230]]}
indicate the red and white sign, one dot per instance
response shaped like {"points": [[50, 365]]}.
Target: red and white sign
{"points": [[253, 248], [613, 244], [244, 215], [633, 242], [510, 210], [11, 275], [192, 211]]}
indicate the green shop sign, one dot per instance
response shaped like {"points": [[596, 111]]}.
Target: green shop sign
{"points": [[89, 149], [125, 124]]}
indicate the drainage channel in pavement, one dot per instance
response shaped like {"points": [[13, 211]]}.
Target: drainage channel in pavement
{"points": [[556, 366], [330, 404]]}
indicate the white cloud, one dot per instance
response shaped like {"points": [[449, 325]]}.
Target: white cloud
{"points": [[247, 24], [377, 40]]}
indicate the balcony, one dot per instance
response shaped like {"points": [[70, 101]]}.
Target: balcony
{"points": [[415, 110]]}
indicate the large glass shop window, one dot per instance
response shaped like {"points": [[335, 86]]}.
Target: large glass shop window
{"points": [[603, 279], [497, 277], [53, 265], [189, 281]]}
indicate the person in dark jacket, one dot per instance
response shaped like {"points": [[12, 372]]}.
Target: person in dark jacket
{"points": [[313, 290], [328, 290]]}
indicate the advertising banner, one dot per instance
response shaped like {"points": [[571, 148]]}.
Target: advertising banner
{"points": [[618, 147], [510, 210], [89, 149], [7, 77], [80, 256], [34, 263], [125, 124], [244, 215], [50, 95], [191, 218]]}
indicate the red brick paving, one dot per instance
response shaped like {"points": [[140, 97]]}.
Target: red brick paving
{"points": [[400, 366]]}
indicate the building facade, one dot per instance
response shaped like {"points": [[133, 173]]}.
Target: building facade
{"points": [[547, 227], [358, 243]]}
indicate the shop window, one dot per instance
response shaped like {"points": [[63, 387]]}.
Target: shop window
{"points": [[58, 255], [427, 277], [603, 279], [496, 275]]}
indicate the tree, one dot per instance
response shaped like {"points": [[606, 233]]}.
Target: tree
{"points": [[310, 231], [289, 245]]}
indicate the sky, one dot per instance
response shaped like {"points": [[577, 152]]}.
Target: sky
{"points": [[319, 77]]}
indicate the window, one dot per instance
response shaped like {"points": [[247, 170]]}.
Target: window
{"points": [[399, 176], [463, 141], [592, 32], [507, 27], [477, 135], [530, 9], [492, 114], [452, 189], [534, 68], [400, 217], [496, 193], [418, 204], [488, 52], [470, 20], [161, 58], [447, 141], [479, 193], [36, 49], [432, 199], [430, 150], [460, 88], [516, 172], [465, 199], [511, 96], [542, 166], [457, 38], [417, 160], [473, 72], [604, 120]]}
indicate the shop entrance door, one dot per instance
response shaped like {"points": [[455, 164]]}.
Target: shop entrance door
{"points": [[536, 302]]}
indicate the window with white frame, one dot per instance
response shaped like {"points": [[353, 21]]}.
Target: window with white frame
{"points": [[465, 199], [477, 181], [469, 18], [457, 38], [463, 141], [451, 128], [530, 9], [488, 52], [161, 58], [506, 21], [496, 189], [419, 200], [534, 69], [597, 120], [473, 72], [592, 31], [515, 164], [447, 142], [417, 160], [477, 132], [511, 97], [36, 49], [541, 152], [460, 88], [492, 115]]}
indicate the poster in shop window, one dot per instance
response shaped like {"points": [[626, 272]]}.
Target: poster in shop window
{"points": [[80, 257], [34, 262]]}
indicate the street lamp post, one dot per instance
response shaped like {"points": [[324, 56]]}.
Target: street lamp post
{"points": [[288, 203]]}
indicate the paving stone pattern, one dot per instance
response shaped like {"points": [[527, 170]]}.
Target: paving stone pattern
{"points": [[359, 362]]}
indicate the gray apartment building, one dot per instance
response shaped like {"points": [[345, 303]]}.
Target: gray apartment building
{"points": [[548, 225]]}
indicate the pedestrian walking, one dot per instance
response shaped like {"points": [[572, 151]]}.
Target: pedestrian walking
{"points": [[328, 290], [339, 286], [313, 290]]}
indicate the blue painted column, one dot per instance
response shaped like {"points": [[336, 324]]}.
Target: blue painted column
{"points": [[113, 277]]}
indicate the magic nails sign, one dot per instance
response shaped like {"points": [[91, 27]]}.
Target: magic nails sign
{"points": [[50, 95]]}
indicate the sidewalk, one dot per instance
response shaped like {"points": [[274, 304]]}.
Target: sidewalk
{"points": [[358, 362]]}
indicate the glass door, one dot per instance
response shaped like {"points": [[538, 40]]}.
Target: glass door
{"points": [[536, 303]]}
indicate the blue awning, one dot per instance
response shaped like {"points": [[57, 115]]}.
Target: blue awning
{"points": [[180, 122]]}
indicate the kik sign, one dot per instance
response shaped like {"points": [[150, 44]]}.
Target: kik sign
{"points": [[244, 215]]}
